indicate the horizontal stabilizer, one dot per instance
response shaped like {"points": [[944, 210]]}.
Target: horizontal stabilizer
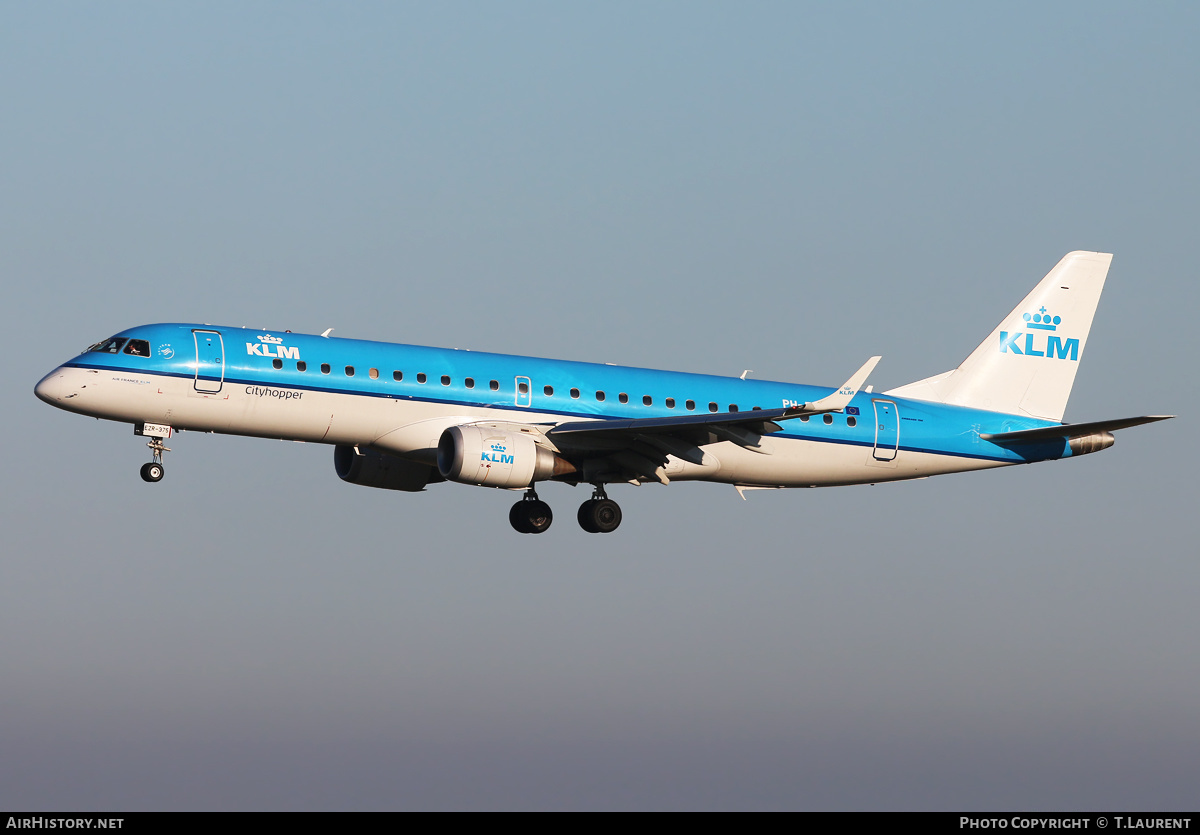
{"points": [[1069, 430]]}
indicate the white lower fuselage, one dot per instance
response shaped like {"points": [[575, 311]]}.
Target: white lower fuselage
{"points": [[410, 428]]}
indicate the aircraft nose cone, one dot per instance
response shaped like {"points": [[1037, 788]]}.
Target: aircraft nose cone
{"points": [[53, 387]]}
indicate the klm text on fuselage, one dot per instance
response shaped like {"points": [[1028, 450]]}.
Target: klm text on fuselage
{"points": [[281, 351]]}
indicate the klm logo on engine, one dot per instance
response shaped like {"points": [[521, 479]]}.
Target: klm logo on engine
{"points": [[498, 454], [1030, 345], [272, 346]]}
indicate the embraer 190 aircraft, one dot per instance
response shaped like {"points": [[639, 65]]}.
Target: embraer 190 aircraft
{"points": [[402, 417]]}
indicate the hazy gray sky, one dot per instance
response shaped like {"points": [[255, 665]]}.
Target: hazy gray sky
{"points": [[784, 187]]}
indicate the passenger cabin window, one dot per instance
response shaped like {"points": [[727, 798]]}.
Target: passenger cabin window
{"points": [[647, 400], [851, 421], [575, 393], [445, 379], [599, 395], [523, 388], [469, 382], [549, 391], [373, 373], [301, 366], [277, 364], [349, 370], [494, 385], [712, 407], [397, 376], [733, 407], [670, 401], [324, 368], [623, 397], [108, 346], [828, 418], [691, 405], [138, 348], [421, 377], [804, 418]]}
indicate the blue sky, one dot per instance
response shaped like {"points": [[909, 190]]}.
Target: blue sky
{"points": [[784, 187]]}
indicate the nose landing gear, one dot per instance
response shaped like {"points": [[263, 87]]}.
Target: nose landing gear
{"points": [[599, 514], [153, 472], [531, 514]]}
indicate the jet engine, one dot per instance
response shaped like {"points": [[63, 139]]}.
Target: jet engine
{"points": [[495, 458], [376, 469]]}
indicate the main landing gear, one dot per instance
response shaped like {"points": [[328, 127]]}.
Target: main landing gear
{"points": [[531, 514], [153, 472], [599, 514]]}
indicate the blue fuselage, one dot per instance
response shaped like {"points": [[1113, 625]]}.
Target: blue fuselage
{"points": [[280, 384]]}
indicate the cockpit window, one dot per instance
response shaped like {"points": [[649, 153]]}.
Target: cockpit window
{"points": [[138, 348], [108, 346]]}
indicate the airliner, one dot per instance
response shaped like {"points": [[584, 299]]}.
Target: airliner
{"points": [[402, 417]]}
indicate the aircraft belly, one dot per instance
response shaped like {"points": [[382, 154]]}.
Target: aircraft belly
{"points": [[804, 463]]}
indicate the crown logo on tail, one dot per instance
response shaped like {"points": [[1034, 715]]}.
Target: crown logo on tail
{"points": [[1041, 321]]}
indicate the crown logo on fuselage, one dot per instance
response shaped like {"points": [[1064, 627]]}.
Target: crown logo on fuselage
{"points": [[273, 340]]}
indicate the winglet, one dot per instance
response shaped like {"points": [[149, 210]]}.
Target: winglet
{"points": [[842, 397]]}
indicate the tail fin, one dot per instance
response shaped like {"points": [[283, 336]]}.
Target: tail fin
{"points": [[1028, 364]]}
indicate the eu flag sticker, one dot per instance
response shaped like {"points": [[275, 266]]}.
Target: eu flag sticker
{"points": [[852, 410]]}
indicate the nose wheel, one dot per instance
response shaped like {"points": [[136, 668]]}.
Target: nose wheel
{"points": [[530, 515], [599, 514], [154, 471]]}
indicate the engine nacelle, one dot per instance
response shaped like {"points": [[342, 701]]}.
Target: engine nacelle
{"points": [[495, 458], [376, 469]]}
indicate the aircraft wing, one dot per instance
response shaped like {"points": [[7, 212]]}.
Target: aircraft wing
{"points": [[1067, 431], [642, 445], [759, 420]]}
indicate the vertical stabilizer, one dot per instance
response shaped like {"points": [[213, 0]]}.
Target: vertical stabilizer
{"points": [[1028, 364]]}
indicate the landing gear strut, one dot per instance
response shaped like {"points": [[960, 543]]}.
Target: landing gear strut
{"points": [[531, 514], [599, 514], [153, 471]]}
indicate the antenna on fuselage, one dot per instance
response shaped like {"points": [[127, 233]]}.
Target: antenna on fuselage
{"points": [[327, 332], [744, 373]]}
